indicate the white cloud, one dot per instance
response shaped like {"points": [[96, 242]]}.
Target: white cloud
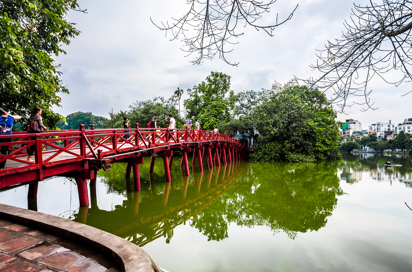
{"points": [[121, 57]]}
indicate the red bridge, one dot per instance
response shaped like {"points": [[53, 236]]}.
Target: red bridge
{"points": [[81, 153]]}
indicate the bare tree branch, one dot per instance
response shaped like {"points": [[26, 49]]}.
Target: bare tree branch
{"points": [[209, 25], [376, 42]]}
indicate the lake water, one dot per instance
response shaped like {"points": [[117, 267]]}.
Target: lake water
{"points": [[336, 216]]}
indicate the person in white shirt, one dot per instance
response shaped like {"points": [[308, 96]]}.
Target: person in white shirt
{"points": [[197, 125], [172, 122], [215, 130]]}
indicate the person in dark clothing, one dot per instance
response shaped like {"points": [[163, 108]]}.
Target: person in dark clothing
{"points": [[6, 127], [36, 126], [153, 124], [126, 124]]}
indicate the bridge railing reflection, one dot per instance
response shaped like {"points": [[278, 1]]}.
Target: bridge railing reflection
{"points": [[146, 216]]}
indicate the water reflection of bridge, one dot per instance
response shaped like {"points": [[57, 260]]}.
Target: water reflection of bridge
{"points": [[144, 220]]}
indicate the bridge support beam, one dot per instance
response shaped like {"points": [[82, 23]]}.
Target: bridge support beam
{"points": [[200, 159], [152, 164], [136, 172], [209, 157], [185, 164], [128, 169], [33, 187], [217, 156], [171, 159], [224, 156], [83, 193], [167, 168]]}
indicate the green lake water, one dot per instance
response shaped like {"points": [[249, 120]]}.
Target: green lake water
{"points": [[335, 216]]}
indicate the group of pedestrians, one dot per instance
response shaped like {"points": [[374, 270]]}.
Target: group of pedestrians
{"points": [[6, 128]]}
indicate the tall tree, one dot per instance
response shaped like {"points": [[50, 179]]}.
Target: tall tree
{"points": [[211, 100], [402, 141], [31, 31], [376, 43], [296, 124], [178, 95]]}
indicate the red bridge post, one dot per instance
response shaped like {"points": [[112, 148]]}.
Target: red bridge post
{"points": [[136, 126], [167, 168], [185, 163], [152, 163], [128, 169], [209, 156], [83, 193], [82, 141], [136, 173]]}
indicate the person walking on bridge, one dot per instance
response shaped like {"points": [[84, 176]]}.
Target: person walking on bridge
{"points": [[126, 124], [188, 124], [36, 126], [197, 125], [6, 127]]}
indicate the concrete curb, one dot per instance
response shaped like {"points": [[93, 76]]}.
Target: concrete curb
{"points": [[127, 256]]}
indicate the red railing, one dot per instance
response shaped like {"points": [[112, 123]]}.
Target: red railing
{"points": [[61, 147]]}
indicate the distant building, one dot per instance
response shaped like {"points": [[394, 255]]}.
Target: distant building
{"points": [[352, 127], [406, 126], [380, 129]]}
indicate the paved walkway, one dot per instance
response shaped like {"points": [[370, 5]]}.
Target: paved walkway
{"points": [[29, 250]]}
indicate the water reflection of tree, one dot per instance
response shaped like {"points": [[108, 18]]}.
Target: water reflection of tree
{"points": [[289, 197]]}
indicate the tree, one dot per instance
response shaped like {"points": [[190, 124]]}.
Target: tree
{"points": [[75, 119], [143, 112], [30, 33], [210, 101], [209, 25], [376, 42], [178, 95], [402, 141], [349, 146], [296, 124]]}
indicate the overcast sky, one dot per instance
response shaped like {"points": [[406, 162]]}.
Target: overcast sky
{"points": [[121, 57]]}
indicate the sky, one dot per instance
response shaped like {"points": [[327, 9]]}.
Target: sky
{"points": [[120, 57]]}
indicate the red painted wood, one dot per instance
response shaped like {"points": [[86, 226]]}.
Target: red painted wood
{"points": [[200, 161], [83, 193], [209, 157], [186, 164], [108, 145], [136, 177], [152, 163], [171, 160], [217, 156], [224, 156], [167, 169], [128, 169]]}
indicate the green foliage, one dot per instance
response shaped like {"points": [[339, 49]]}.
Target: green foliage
{"points": [[73, 120], [210, 101], [297, 124], [403, 141], [142, 112], [30, 33], [349, 146]]}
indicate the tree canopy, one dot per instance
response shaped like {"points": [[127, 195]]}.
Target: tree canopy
{"points": [[210, 101], [31, 32], [75, 119], [295, 124], [142, 112]]}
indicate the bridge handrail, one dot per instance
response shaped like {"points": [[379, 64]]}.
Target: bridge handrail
{"points": [[80, 144]]}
